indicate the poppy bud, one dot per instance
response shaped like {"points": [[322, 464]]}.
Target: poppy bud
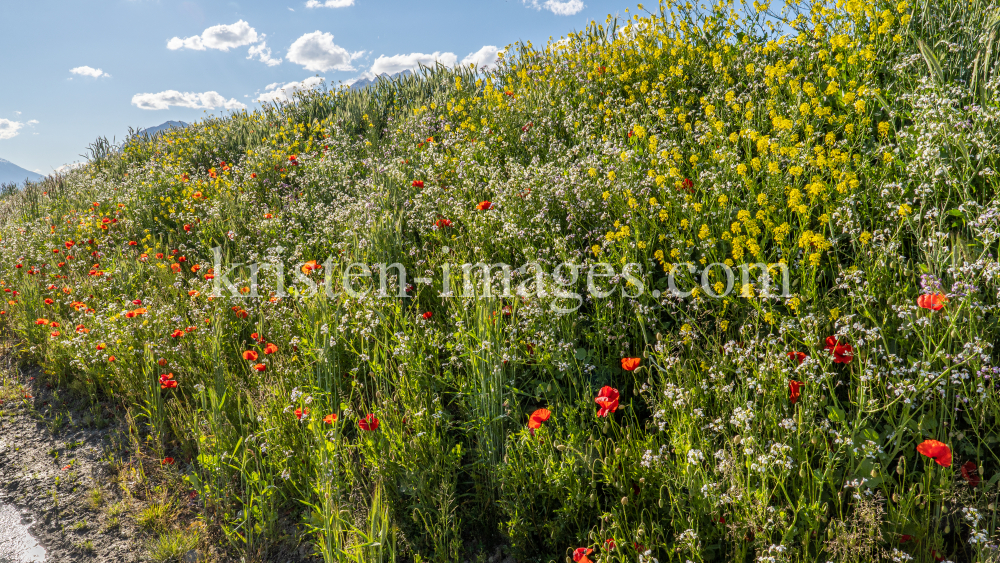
{"points": [[618, 451], [661, 503], [802, 471], [947, 528], [895, 498], [901, 466], [607, 426], [624, 501], [659, 337], [874, 472], [737, 439], [992, 506]]}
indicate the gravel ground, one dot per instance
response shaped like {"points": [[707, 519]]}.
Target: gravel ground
{"points": [[52, 458]]}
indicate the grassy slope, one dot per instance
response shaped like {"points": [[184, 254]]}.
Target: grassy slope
{"points": [[829, 150]]}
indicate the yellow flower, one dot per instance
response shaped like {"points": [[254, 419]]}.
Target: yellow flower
{"points": [[595, 249]]}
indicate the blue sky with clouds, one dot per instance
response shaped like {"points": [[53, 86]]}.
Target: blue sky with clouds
{"points": [[75, 70]]}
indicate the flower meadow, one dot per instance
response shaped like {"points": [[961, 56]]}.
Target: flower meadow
{"points": [[853, 419]]}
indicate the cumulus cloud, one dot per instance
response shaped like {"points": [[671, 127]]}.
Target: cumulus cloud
{"points": [[263, 52], [222, 37], [399, 63], [9, 129], [558, 7], [278, 92], [485, 57], [205, 100], [87, 71], [329, 4], [316, 51], [32, 122]]}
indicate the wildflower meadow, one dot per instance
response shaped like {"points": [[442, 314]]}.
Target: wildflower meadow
{"points": [[235, 290]]}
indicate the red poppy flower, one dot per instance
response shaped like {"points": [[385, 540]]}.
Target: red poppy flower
{"points": [[538, 417], [166, 381], [250, 356], [101, 346], [793, 391], [42, 322], [330, 418], [971, 473], [932, 301], [484, 206], [310, 266], [442, 223], [797, 356], [159, 256], [49, 301], [167, 461], [842, 353], [111, 358], [177, 333], [629, 364], [580, 555], [418, 183], [427, 315], [607, 400], [938, 451], [187, 227], [368, 423], [54, 333], [905, 538], [260, 367], [132, 243], [300, 412], [161, 362], [270, 348], [609, 544]]}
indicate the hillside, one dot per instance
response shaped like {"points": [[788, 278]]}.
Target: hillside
{"points": [[750, 313]]}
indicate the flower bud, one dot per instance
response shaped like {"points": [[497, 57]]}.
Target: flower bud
{"points": [[624, 501]]}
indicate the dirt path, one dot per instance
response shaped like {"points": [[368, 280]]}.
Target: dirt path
{"points": [[53, 470]]}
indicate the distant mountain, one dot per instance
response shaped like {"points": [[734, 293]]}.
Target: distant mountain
{"points": [[365, 82], [164, 126], [10, 172]]}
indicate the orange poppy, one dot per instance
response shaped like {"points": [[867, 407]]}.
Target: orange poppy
{"points": [[538, 417], [270, 348], [250, 355], [580, 555], [484, 206], [932, 301], [938, 451], [629, 364], [330, 418], [260, 367]]}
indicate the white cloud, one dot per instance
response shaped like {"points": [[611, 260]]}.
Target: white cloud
{"points": [[263, 52], [399, 63], [205, 100], [558, 7], [222, 37], [485, 57], [87, 71], [329, 4], [282, 93], [32, 122], [9, 129], [316, 51]]}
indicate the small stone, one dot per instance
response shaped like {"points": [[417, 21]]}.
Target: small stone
{"points": [[191, 556]]}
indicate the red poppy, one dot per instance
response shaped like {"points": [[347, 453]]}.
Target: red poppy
{"points": [[270, 348], [260, 367], [54, 333], [484, 206], [187, 227], [418, 183], [607, 400], [793, 391], [42, 322], [49, 301], [310, 266], [250, 356], [932, 301], [427, 315], [905, 538], [167, 461], [101, 346], [798, 356], [609, 544], [161, 362], [330, 418], [177, 333], [442, 223], [538, 417], [132, 243], [580, 555], [629, 364], [971, 473], [688, 183], [842, 353], [159, 256], [166, 381], [300, 412], [111, 358], [368, 423], [938, 451]]}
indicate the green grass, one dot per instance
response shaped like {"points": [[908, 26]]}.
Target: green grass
{"points": [[853, 145]]}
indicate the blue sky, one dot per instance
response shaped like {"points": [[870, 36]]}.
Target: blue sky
{"points": [[75, 70]]}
